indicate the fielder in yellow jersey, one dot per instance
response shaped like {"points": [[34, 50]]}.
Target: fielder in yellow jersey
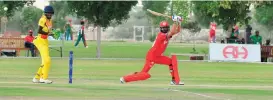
{"points": [[41, 42]]}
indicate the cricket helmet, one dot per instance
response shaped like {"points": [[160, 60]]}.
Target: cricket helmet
{"points": [[164, 27], [164, 24], [49, 9]]}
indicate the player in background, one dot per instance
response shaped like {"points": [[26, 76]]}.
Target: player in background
{"points": [[41, 42], [68, 30], [155, 54], [29, 42], [81, 36], [212, 37]]}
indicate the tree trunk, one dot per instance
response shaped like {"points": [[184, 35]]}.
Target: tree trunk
{"points": [[1, 25], [98, 40], [93, 37], [153, 31]]}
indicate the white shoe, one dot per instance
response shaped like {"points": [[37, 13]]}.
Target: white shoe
{"points": [[35, 80], [122, 80], [86, 47], [46, 81], [180, 83]]}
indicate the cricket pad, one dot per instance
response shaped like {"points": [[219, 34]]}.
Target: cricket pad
{"points": [[175, 69]]}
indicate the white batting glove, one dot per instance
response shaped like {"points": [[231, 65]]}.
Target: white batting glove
{"points": [[177, 18]]}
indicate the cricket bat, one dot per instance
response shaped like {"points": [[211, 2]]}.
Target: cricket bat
{"points": [[158, 14]]}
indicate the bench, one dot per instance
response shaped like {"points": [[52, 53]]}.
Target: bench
{"points": [[192, 56], [18, 44], [13, 43]]}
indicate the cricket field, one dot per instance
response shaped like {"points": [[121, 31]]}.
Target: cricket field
{"points": [[99, 79]]}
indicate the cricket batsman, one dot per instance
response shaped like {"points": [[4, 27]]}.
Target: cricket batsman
{"points": [[81, 36], [41, 42], [155, 54]]}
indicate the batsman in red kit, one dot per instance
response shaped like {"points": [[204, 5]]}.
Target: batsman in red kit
{"points": [[155, 54]]}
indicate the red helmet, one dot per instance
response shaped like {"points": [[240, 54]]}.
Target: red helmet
{"points": [[30, 31], [164, 24], [164, 27]]}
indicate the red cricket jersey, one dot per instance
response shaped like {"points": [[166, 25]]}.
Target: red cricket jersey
{"points": [[212, 30], [82, 30], [29, 38], [159, 46]]}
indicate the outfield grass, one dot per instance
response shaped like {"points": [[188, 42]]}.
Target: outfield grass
{"points": [[123, 49], [99, 80]]}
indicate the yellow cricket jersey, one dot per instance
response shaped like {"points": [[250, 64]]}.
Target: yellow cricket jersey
{"points": [[46, 24]]}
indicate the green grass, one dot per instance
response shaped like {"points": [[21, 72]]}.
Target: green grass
{"points": [[99, 80], [122, 49]]}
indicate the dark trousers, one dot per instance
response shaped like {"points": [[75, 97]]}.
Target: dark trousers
{"points": [[248, 40], [263, 59], [81, 36], [31, 47]]}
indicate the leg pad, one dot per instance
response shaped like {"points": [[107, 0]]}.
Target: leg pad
{"points": [[175, 69]]}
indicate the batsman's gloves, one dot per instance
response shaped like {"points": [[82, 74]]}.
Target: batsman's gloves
{"points": [[177, 18]]}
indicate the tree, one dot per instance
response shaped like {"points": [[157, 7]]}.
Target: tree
{"points": [[184, 9], [264, 16], [12, 7], [137, 18], [30, 17], [181, 8], [60, 12], [158, 6], [101, 13], [226, 13]]}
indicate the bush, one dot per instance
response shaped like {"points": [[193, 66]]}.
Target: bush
{"points": [[152, 37]]}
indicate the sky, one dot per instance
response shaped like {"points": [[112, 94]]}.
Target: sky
{"points": [[41, 3]]}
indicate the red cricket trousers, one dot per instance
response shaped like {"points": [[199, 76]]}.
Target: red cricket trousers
{"points": [[163, 60], [150, 61]]}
